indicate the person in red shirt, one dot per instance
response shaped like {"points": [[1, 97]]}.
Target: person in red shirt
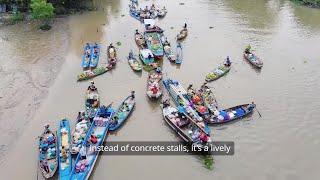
{"points": [[93, 139], [154, 90]]}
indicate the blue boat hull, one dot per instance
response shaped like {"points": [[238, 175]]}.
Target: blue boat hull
{"points": [[179, 54], [85, 63], [115, 127], [134, 15], [95, 56], [64, 171], [84, 175]]}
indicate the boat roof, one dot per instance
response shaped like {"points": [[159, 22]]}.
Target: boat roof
{"points": [[151, 22], [145, 52]]}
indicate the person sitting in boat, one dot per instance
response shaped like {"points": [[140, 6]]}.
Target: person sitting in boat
{"points": [[166, 103], [44, 165], [185, 26], [95, 49], [92, 87], [204, 137], [228, 62], [46, 129], [149, 56], [137, 31], [251, 106], [248, 49], [63, 153], [154, 89], [111, 46], [93, 139], [115, 120], [164, 8], [204, 86]]}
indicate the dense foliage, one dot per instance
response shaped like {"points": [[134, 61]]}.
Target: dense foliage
{"points": [[42, 11], [313, 3]]}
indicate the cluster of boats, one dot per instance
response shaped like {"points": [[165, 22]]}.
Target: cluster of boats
{"points": [[92, 125], [146, 13]]}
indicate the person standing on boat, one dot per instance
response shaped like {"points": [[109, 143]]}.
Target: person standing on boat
{"points": [[82, 152], [46, 129], [132, 95], [248, 49], [251, 106], [228, 62], [185, 26]]}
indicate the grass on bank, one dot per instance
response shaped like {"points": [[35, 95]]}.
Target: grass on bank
{"points": [[19, 17]]}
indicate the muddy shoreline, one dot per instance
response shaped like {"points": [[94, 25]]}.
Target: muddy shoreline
{"points": [[26, 80]]}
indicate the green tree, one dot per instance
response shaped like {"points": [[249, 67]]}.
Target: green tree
{"points": [[42, 11]]}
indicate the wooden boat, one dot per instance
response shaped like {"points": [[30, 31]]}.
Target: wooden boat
{"points": [[169, 52], [122, 113], [197, 100], [183, 33], [253, 59], [87, 55], [144, 56], [80, 132], [179, 94], [209, 100], [64, 141], [150, 26], [154, 43], [230, 114], [154, 89], [83, 167], [218, 72], [95, 49], [85, 75], [48, 154], [92, 103], [139, 38], [134, 63], [183, 125], [179, 54]]}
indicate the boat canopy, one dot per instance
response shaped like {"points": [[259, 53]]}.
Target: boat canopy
{"points": [[149, 23], [145, 53]]}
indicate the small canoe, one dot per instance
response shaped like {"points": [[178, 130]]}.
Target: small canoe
{"points": [[154, 89], [139, 38], [183, 125], [230, 114], [179, 54], [144, 56], [169, 52], [92, 103], [64, 141], [48, 159], [154, 43], [85, 75], [134, 63], [162, 13], [87, 156], [183, 33], [209, 100], [87, 55], [122, 113], [80, 132], [95, 55], [253, 59], [218, 72]]}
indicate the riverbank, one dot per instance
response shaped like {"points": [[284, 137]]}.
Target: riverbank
{"points": [[26, 79], [308, 3]]}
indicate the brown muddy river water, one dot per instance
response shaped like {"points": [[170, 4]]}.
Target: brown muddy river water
{"points": [[38, 85]]}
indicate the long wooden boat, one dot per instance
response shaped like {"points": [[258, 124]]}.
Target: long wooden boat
{"points": [[80, 132], [85, 75], [230, 114], [48, 154], [209, 100], [154, 43], [169, 52], [183, 34], [162, 13], [253, 59], [134, 63], [139, 38], [154, 88], [95, 55], [144, 56], [122, 113], [64, 141], [179, 54], [183, 125], [92, 103], [87, 55], [98, 130], [218, 72], [179, 94]]}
